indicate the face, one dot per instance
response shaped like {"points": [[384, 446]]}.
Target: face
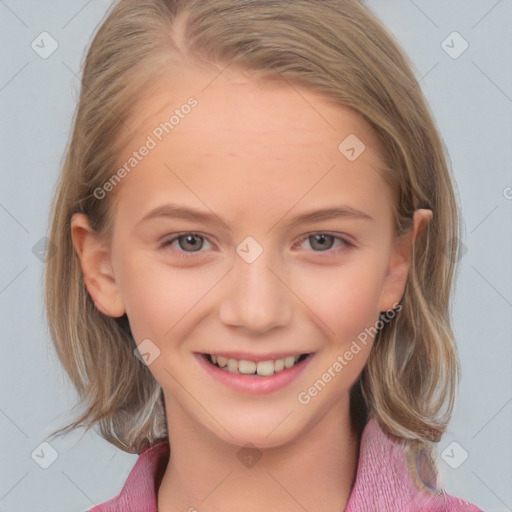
{"points": [[246, 236]]}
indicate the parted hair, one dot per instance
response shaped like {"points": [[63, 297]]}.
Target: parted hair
{"points": [[337, 47]]}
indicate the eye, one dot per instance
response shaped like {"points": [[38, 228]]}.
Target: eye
{"points": [[186, 242], [324, 243]]}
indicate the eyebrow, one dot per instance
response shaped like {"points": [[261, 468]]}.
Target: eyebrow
{"points": [[190, 213], [327, 214], [181, 212]]}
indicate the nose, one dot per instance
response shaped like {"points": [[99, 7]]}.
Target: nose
{"points": [[257, 298]]}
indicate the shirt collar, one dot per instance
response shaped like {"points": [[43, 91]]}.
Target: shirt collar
{"points": [[385, 480]]}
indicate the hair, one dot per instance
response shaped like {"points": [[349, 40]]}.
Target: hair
{"points": [[335, 47]]}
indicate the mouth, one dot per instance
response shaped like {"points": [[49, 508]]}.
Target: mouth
{"points": [[255, 368]]}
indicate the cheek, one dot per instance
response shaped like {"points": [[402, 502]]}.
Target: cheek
{"points": [[159, 298], [344, 298]]}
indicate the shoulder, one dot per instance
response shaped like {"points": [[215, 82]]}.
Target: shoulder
{"points": [[384, 480], [139, 492]]}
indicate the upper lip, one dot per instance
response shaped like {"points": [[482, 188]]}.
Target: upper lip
{"points": [[244, 356]]}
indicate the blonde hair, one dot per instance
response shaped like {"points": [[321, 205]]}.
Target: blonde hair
{"points": [[331, 46]]}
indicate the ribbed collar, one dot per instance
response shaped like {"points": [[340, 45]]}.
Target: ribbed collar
{"points": [[384, 482]]}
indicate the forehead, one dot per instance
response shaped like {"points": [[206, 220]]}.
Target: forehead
{"points": [[228, 99], [249, 140]]}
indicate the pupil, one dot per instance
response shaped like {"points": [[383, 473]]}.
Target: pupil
{"points": [[319, 241], [189, 239]]}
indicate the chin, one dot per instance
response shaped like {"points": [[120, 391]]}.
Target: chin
{"points": [[263, 431]]}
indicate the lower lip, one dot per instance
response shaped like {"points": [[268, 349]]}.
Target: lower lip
{"points": [[254, 384]]}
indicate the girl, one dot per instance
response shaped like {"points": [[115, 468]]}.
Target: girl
{"points": [[257, 236]]}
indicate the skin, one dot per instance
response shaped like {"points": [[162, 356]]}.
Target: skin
{"points": [[254, 154]]}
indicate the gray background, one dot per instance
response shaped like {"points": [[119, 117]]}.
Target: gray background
{"points": [[471, 98]]}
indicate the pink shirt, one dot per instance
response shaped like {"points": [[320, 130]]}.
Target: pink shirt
{"points": [[383, 482]]}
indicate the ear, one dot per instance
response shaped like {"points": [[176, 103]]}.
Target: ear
{"points": [[94, 256], [399, 262]]}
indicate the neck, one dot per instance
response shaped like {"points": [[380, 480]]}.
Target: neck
{"points": [[316, 471]]}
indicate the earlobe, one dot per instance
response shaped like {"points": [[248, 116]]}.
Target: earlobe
{"points": [[96, 266], [398, 269]]}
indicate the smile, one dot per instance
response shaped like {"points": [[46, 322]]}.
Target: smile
{"points": [[254, 374], [261, 368]]}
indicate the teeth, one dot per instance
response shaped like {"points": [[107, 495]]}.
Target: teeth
{"points": [[233, 365], [247, 367], [279, 365], [265, 368], [289, 361], [261, 368]]}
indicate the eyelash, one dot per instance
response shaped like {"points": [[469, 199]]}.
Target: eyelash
{"points": [[346, 245]]}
